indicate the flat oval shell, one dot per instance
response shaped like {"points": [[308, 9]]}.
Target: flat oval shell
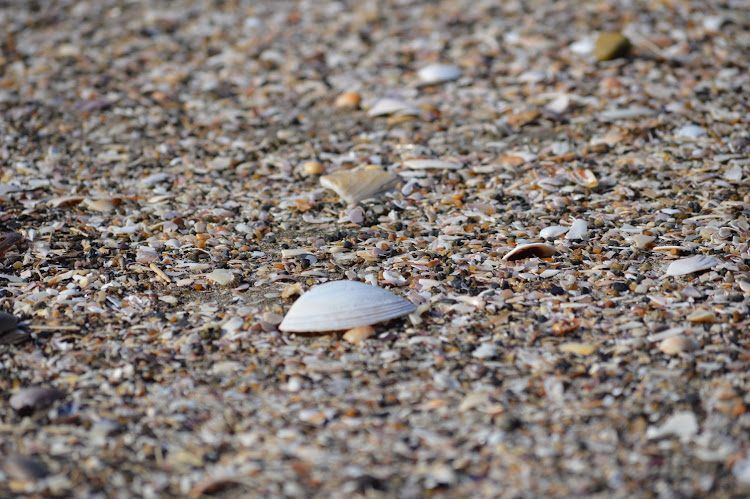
{"points": [[689, 265], [531, 250], [438, 73], [359, 183], [432, 164], [339, 305]]}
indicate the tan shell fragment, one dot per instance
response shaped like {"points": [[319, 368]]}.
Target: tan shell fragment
{"points": [[585, 178], [678, 344], [357, 335], [360, 183], [702, 316], [340, 305], [532, 250]]}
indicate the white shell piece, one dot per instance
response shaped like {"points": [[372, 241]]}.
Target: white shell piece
{"points": [[577, 230], [340, 305], [432, 164], [438, 73], [690, 132], [532, 250], [387, 106], [689, 265], [552, 231], [359, 183]]}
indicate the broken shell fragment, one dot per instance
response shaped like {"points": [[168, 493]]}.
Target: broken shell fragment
{"points": [[438, 73], [432, 164], [584, 178], [28, 400], [689, 265], [387, 106], [357, 335], [538, 250], [359, 183], [678, 344], [553, 231], [8, 240], [339, 305], [577, 230]]}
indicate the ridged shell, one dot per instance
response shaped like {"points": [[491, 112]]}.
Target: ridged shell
{"points": [[339, 305], [359, 183], [538, 250], [689, 265]]}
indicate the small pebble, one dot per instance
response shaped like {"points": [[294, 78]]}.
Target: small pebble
{"points": [[8, 323], [611, 45], [357, 335], [312, 168], [347, 100]]}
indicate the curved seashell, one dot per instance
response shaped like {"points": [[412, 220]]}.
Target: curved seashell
{"points": [[339, 305], [438, 73], [689, 265], [584, 177], [359, 183], [531, 250], [387, 106]]}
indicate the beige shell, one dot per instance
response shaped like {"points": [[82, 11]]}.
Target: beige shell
{"points": [[538, 250], [339, 305], [359, 183]]}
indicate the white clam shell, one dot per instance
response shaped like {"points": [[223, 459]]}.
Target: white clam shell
{"points": [[359, 183], [339, 305], [532, 250], [438, 73], [388, 105], [689, 265]]}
